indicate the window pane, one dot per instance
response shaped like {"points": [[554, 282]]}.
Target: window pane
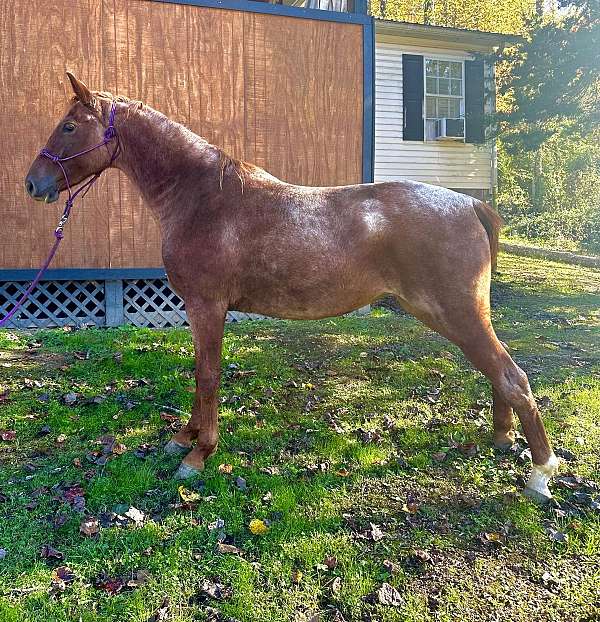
{"points": [[443, 110], [456, 70], [444, 69], [444, 86], [454, 108], [430, 106], [432, 85], [455, 87], [431, 67]]}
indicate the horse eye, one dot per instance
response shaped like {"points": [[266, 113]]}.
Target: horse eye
{"points": [[68, 127]]}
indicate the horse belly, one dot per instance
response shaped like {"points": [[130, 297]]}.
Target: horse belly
{"points": [[314, 293]]}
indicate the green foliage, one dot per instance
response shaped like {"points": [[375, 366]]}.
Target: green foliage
{"points": [[506, 16], [554, 79], [553, 193], [549, 114]]}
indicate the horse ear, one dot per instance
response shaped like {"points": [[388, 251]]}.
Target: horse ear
{"points": [[83, 94]]}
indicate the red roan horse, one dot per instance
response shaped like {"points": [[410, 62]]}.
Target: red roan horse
{"points": [[235, 237]]}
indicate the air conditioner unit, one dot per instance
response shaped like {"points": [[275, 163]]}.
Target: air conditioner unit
{"points": [[450, 129]]}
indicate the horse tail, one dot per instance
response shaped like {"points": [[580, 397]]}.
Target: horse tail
{"points": [[492, 223]]}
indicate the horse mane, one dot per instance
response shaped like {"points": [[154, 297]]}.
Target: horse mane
{"points": [[133, 104], [229, 166]]}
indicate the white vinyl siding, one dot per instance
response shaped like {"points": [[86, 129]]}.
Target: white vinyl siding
{"points": [[450, 164]]}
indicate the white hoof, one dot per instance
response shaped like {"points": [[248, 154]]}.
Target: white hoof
{"points": [[537, 486], [173, 447], [185, 471]]}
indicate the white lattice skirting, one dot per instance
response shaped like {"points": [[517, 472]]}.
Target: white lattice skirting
{"points": [[141, 302]]}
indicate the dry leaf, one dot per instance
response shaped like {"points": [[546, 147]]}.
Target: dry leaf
{"points": [[49, 552], [228, 548], [188, 496], [388, 595], [8, 435], [89, 526], [225, 468]]}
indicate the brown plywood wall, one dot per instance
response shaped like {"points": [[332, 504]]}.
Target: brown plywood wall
{"points": [[284, 93]]}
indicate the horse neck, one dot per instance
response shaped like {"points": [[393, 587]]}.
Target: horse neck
{"points": [[166, 161]]}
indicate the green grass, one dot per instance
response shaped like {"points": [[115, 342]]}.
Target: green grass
{"points": [[334, 425]]}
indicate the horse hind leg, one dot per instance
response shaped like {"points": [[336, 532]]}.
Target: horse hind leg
{"points": [[469, 329], [504, 431], [512, 390]]}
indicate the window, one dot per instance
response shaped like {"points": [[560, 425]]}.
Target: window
{"points": [[444, 92]]}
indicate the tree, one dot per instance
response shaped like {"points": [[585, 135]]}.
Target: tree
{"points": [[505, 16], [553, 79]]}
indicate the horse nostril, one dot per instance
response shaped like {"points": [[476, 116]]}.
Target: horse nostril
{"points": [[30, 187]]}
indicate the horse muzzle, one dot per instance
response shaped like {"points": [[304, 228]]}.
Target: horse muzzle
{"points": [[45, 189]]}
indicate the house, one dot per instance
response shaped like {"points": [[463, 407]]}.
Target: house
{"points": [[290, 87], [434, 87]]}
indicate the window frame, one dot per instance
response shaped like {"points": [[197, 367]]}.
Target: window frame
{"points": [[461, 98]]}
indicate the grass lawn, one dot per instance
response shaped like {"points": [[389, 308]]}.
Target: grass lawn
{"points": [[362, 445]]}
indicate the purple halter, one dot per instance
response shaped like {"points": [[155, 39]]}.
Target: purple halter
{"points": [[110, 133]]}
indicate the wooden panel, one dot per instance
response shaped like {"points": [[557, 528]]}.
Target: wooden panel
{"points": [[282, 92]]}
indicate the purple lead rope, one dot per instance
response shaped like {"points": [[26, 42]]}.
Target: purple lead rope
{"points": [[109, 134]]}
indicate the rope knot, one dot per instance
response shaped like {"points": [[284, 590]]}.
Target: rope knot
{"points": [[51, 156], [110, 132], [58, 233]]}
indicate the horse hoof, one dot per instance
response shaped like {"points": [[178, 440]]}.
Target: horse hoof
{"points": [[504, 442], [538, 497], [185, 471], [173, 447]]}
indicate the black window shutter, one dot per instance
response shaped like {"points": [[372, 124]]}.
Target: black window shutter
{"points": [[474, 102], [412, 95]]}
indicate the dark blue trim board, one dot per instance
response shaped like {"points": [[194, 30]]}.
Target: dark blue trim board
{"points": [[250, 6], [85, 274], [368, 155]]}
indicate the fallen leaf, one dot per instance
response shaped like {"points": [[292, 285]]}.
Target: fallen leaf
{"points": [[61, 438], [375, 532], [110, 585], [89, 526], [119, 448], [410, 507], [161, 613], [63, 574], [388, 595], [228, 548], [217, 524], [215, 590], [168, 417], [296, 576], [49, 552], [389, 566], [137, 516], [336, 585], [8, 435], [188, 496], [139, 578], [225, 468], [258, 527], [439, 456], [70, 398], [330, 562]]}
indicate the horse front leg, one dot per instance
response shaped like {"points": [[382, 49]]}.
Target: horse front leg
{"points": [[206, 321]]}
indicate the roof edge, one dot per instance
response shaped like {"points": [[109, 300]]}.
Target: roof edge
{"points": [[444, 33]]}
